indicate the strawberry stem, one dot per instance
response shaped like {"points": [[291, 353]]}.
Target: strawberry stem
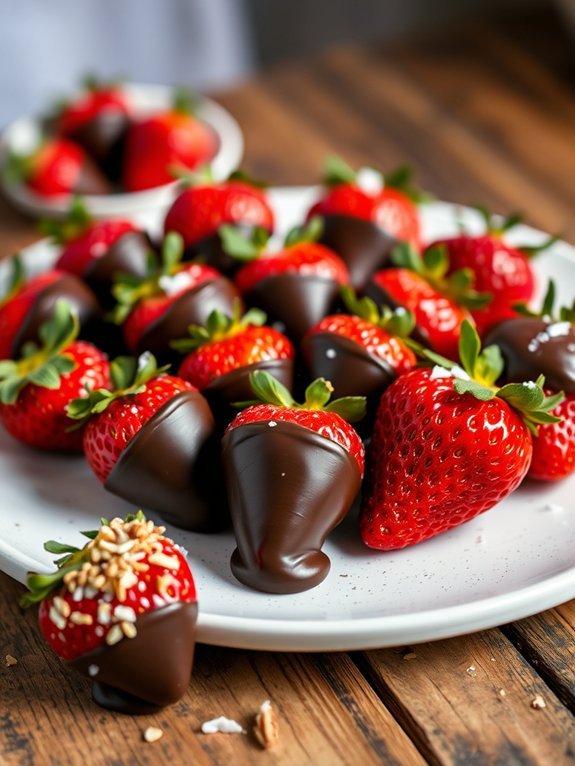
{"points": [[218, 327]]}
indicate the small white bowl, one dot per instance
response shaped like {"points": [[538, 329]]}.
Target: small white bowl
{"points": [[22, 136]]}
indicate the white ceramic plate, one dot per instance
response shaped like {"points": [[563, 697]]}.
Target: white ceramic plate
{"points": [[22, 136], [515, 560]]}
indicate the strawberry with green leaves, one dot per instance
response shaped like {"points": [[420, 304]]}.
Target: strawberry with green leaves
{"points": [[124, 601], [36, 389], [449, 444], [292, 472], [149, 438], [439, 301]]}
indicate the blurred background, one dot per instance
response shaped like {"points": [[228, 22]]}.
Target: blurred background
{"points": [[46, 47]]}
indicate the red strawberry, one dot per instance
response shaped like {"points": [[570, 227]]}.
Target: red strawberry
{"points": [[292, 471], [499, 268], [448, 445], [149, 440], [297, 285], [200, 210], [554, 445], [58, 167], [164, 142], [438, 303], [158, 308], [362, 352], [123, 600], [35, 390]]}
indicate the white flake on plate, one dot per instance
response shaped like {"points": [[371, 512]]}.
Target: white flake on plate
{"points": [[552, 508], [222, 725]]}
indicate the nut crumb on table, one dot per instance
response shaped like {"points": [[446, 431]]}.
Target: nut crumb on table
{"points": [[266, 727], [10, 660], [538, 703], [153, 734]]}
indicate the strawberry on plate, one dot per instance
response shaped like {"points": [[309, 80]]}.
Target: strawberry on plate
{"points": [[292, 472], [447, 445], [165, 142], [440, 303], [122, 611], [296, 286], [222, 354], [366, 214], [36, 389], [149, 438], [499, 268]]}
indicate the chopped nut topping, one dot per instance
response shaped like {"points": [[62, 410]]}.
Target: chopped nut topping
{"points": [[152, 734], [161, 560], [78, 618], [57, 618], [538, 702], [11, 660], [114, 635], [62, 606], [129, 629], [266, 728], [410, 656]]}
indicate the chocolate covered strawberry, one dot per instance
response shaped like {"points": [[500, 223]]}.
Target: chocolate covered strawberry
{"points": [[149, 439], [28, 303], [204, 207], [58, 167], [36, 389], [366, 214], [121, 610], [292, 472], [158, 308], [362, 352], [296, 286], [222, 354], [165, 142], [499, 268], [447, 445], [440, 303]]}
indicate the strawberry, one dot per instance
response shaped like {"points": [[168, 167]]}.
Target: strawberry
{"points": [[201, 209], [124, 600], [158, 308], [448, 445], [439, 303], [149, 440], [366, 214], [499, 268], [296, 286], [36, 389], [361, 352], [224, 352], [165, 142], [292, 471], [57, 167], [554, 445]]}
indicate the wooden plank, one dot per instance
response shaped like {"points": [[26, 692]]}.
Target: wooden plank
{"points": [[470, 701], [328, 712]]}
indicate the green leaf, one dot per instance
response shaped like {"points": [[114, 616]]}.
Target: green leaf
{"points": [[474, 388], [522, 396], [436, 262], [405, 256], [268, 389], [337, 172], [308, 232], [318, 394], [399, 322], [350, 408], [469, 347], [532, 250], [10, 388], [123, 371], [172, 251], [184, 101], [46, 376], [489, 365], [240, 246], [53, 546]]}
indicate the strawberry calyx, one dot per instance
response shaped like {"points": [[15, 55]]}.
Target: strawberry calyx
{"points": [[16, 279], [76, 223], [548, 311], [128, 289], [129, 376], [307, 233], [337, 172], [433, 266], [269, 390], [497, 226], [240, 246], [219, 326], [184, 102], [42, 364], [19, 167], [479, 371], [399, 322]]}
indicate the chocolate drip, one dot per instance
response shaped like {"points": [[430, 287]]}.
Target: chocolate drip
{"points": [[299, 301], [209, 250], [172, 466], [363, 245], [192, 307], [383, 298], [288, 487], [127, 255], [529, 350], [235, 386], [141, 674], [103, 138], [81, 299]]}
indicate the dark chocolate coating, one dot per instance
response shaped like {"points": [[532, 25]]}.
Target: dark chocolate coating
{"points": [[172, 466], [91, 180], [141, 674], [103, 138], [351, 369], [70, 288], [527, 356], [210, 251], [235, 386], [288, 487], [127, 255], [298, 301], [192, 307], [362, 245]]}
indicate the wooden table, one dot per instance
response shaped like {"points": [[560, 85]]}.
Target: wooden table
{"points": [[487, 113]]}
